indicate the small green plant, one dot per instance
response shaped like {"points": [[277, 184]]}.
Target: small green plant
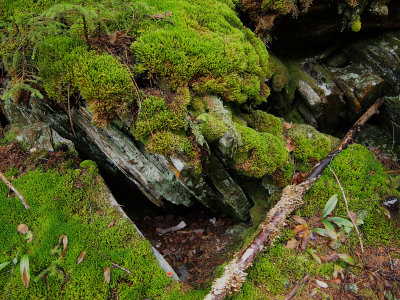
{"points": [[332, 224]]}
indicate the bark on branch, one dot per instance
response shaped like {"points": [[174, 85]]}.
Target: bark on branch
{"points": [[234, 274], [5, 180]]}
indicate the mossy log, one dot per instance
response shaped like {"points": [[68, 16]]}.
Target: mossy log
{"points": [[234, 274]]}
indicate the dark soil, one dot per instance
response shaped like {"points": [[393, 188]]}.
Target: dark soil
{"points": [[197, 249]]}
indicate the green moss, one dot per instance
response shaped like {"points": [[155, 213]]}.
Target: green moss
{"points": [[259, 153], [206, 47], [56, 62], [365, 184], [105, 84], [310, 145], [264, 122], [278, 74], [356, 24], [170, 144], [212, 127], [59, 207], [90, 165], [276, 269]]}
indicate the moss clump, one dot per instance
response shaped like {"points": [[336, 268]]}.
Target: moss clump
{"points": [[356, 24], [90, 165], [59, 207], [274, 270], [170, 144], [264, 122], [105, 84], [156, 116], [212, 127], [365, 184], [259, 153], [310, 145], [206, 47], [278, 74]]}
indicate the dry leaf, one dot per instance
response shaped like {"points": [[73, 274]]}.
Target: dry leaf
{"points": [[300, 228], [161, 16], [111, 224], [322, 284], [24, 270], [292, 244], [112, 38], [287, 125], [107, 275], [306, 238], [65, 244], [23, 229], [353, 216], [299, 219], [289, 145], [81, 257]]}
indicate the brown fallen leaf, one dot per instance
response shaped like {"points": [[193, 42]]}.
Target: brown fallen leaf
{"points": [[287, 125], [161, 15], [112, 223], [24, 270], [289, 145], [65, 244], [107, 274], [299, 219], [298, 229], [81, 257], [292, 244], [23, 229], [112, 38]]}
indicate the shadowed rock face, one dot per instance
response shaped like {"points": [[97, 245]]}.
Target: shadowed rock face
{"points": [[333, 89], [160, 179]]}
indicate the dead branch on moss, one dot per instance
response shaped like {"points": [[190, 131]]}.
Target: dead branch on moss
{"points": [[296, 288], [234, 274], [5, 180], [348, 211]]}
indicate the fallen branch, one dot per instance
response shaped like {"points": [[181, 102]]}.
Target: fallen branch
{"points": [[296, 288], [234, 274], [5, 180]]}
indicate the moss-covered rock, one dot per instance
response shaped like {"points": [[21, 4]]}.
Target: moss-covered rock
{"points": [[259, 153], [310, 145], [264, 122]]}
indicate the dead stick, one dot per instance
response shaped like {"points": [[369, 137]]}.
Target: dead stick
{"points": [[347, 210], [69, 109], [291, 199], [296, 288], [15, 190]]}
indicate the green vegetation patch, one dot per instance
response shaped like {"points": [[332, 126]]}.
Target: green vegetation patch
{"points": [[73, 203], [277, 269], [202, 43], [264, 122], [259, 153], [365, 184], [310, 145]]}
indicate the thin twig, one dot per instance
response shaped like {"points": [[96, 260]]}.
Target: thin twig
{"points": [[296, 288], [4, 179], [119, 267], [69, 109], [347, 209], [392, 171]]}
